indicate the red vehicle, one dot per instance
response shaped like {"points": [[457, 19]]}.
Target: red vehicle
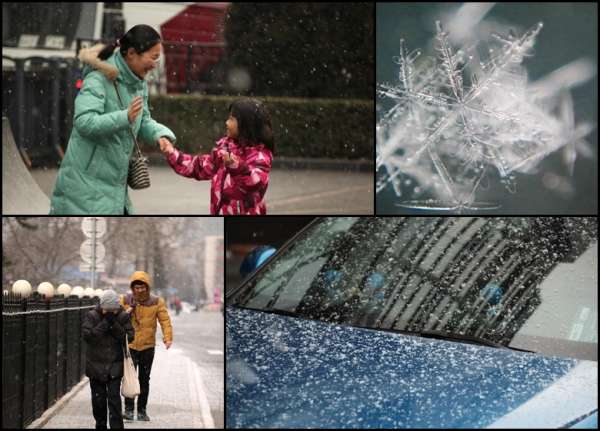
{"points": [[193, 44]]}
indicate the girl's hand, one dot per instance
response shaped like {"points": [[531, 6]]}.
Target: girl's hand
{"points": [[165, 146], [136, 106], [229, 159]]}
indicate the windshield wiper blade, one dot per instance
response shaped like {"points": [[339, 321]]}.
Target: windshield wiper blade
{"points": [[457, 337], [273, 311]]}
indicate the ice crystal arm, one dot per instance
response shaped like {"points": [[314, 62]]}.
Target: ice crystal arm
{"points": [[513, 52], [448, 61]]}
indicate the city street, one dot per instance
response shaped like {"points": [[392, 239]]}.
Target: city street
{"points": [[186, 384]]}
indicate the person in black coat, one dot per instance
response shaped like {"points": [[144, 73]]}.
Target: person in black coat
{"points": [[104, 330]]}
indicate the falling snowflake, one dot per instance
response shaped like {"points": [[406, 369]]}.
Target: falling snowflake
{"points": [[462, 118]]}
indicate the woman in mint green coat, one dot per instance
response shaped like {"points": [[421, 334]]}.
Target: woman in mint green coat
{"points": [[92, 178]]}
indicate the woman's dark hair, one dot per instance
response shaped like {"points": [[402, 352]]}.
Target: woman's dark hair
{"points": [[140, 37], [254, 122]]}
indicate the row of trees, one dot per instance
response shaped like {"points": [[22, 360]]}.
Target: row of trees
{"points": [[170, 249]]}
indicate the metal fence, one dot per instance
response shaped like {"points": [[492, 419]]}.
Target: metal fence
{"points": [[38, 97], [43, 353]]}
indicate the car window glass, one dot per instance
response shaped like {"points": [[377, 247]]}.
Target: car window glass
{"points": [[526, 282]]}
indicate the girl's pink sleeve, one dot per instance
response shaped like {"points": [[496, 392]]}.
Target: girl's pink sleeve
{"points": [[249, 174], [200, 167]]}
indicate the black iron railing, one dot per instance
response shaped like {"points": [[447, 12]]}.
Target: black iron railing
{"points": [[43, 353]]}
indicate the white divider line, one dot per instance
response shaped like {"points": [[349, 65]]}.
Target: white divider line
{"points": [[197, 388], [194, 401]]}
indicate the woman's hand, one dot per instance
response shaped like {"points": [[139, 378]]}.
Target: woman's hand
{"points": [[165, 146], [136, 106], [110, 318]]}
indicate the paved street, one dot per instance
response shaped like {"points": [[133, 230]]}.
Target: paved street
{"points": [[186, 384], [290, 192]]}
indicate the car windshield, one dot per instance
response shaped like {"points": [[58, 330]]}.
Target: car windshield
{"points": [[520, 282]]}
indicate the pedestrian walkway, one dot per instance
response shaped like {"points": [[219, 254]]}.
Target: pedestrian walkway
{"points": [[177, 398]]}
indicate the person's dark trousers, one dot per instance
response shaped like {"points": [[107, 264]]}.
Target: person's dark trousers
{"points": [[142, 361], [100, 393]]}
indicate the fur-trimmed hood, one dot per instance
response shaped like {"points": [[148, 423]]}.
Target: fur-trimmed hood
{"points": [[89, 56]]}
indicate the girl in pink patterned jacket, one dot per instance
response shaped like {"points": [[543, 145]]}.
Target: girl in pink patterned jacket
{"points": [[238, 166]]}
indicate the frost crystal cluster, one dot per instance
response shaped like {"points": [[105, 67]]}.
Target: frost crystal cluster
{"points": [[462, 118]]}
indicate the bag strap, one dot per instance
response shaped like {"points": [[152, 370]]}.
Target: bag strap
{"points": [[128, 354], [130, 131]]}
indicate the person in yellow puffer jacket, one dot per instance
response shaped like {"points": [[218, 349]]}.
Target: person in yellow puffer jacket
{"points": [[145, 309]]}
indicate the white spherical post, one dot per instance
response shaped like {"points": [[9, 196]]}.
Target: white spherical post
{"points": [[22, 287], [64, 289], [77, 291], [46, 289]]}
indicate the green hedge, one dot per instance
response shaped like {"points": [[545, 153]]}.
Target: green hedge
{"points": [[304, 49], [324, 128]]}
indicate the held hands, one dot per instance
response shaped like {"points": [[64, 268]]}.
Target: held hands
{"points": [[165, 146], [136, 106]]}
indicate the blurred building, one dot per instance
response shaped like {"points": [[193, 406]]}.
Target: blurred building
{"points": [[213, 267]]}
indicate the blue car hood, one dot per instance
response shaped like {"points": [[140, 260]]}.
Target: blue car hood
{"points": [[295, 373]]}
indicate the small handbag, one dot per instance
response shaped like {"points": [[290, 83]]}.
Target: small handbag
{"points": [[130, 386], [138, 174]]}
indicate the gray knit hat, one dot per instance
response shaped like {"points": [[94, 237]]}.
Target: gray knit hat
{"points": [[110, 300]]}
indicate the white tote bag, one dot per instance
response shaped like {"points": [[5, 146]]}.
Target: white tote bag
{"points": [[130, 386]]}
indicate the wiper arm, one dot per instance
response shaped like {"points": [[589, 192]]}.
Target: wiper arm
{"points": [[281, 312]]}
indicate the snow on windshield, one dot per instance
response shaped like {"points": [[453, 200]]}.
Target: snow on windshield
{"points": [[466, 276]]}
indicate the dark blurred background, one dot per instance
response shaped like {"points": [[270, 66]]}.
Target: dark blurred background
{"points": [[242, 235], [570, 32]]}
